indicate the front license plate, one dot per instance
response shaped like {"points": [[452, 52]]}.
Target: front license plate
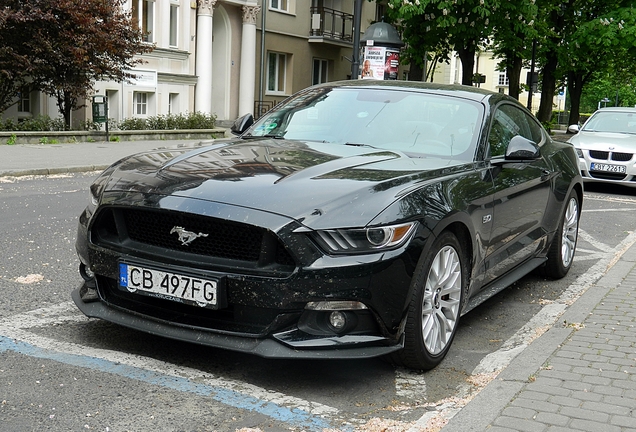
{"points": [[172, 286], [607, 167]]}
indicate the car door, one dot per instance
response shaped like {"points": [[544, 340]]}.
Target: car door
{"points": [[521, 192]]}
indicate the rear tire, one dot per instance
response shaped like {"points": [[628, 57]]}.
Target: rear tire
{"points": [[434, 310], [561, 253]]}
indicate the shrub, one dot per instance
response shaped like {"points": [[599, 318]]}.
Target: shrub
{"points": [[196, 120], [39, 123]]}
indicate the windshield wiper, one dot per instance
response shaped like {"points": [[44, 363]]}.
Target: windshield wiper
{"points": [[250, 136], [360, 145]]}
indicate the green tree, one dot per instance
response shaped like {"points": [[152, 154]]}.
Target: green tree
{"points": [[604, 43], [444, 25], [71, 44], [22, 26], [514, 29], [615, 86]]}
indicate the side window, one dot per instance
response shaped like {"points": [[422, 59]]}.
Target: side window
{"points": [[508, 122]]}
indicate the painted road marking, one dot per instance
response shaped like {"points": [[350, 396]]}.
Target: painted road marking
{"points": [[14, 336]]}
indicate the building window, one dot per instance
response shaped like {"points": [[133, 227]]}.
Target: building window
{"points": [[279, 5], [174, 25], [319, 73], [173, 103], [143, 15], [24, 101], [276, 73], [503, 79], [141, 103], [380, 12]]}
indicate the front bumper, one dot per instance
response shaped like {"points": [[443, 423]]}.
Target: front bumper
{"points": [[627, 179], [288, 344]]}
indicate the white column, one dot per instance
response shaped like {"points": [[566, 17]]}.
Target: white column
{"points": [[247, 74], [203, 92]]}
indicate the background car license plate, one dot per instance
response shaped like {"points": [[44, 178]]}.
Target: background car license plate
{"points": [[607, 167], [173, 286]]}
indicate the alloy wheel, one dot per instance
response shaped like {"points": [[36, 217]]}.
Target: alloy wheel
{"points": [[442, 295]]}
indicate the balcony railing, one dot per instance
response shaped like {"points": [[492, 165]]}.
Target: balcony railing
{"points": [[331, 24]]}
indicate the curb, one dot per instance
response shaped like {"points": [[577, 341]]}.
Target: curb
{"points": [[51, 171]]}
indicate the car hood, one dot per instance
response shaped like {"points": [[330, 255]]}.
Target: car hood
{"points": [[605, 141], [317, 184]]}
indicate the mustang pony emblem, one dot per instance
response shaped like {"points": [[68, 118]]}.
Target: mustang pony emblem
{"points": [[186, 237]]}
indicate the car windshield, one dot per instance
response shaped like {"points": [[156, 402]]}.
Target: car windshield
{"points": [[612, 121], [417, 123]]}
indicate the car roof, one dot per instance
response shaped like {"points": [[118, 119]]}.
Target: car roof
{"points": [[618, 109], [457, 90]]}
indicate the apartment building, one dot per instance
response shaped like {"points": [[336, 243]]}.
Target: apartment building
{"points": [[213, 56]]}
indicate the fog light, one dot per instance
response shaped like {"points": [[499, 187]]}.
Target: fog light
{"points": [[337, 320], [86, 272]]}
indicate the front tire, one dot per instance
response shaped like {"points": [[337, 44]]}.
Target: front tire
{"points": [[435, 307], [561, 253]]}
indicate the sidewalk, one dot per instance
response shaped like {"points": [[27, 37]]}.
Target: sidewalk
{"points": [[43, 159], [580, 376]]}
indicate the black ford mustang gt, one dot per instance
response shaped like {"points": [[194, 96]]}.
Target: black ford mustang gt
{"points": [[356, 219]]}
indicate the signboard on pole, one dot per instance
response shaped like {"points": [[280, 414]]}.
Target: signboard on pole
{"points": [[380, 63]]}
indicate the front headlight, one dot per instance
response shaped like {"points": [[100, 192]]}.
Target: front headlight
{"points": [[579, 152], [363, 240]]}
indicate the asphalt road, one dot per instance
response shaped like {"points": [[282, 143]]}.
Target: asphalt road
{"points": [[60, 371]]}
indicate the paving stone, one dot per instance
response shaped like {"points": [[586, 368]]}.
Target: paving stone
{"points": [[625, 384], [564, 376], [609, 391], [606, 408], [577, 386], [586, 371], [623, 421], [605, 366], [597, 380], [547, 389], [592, 426], [517, 424], [587, 396], [616, 375], [579, 413], [551, 419], [532, 395], [566, 401], [556, 429], [622, 401], [537, 405], [522, 413]]}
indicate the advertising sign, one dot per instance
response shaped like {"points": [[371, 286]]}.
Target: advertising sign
{"points": [[380, 63]]}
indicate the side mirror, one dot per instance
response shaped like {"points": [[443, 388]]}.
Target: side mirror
{"points": [[521, 148], [574, 128], [241, 124]]}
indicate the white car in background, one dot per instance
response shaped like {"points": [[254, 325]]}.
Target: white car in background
{"points": [[606, 146]]}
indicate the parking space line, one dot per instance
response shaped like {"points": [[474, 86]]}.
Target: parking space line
{"points": [[15, 336]]}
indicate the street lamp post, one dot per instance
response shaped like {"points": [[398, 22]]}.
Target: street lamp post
{"points": [[357, 19]]}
